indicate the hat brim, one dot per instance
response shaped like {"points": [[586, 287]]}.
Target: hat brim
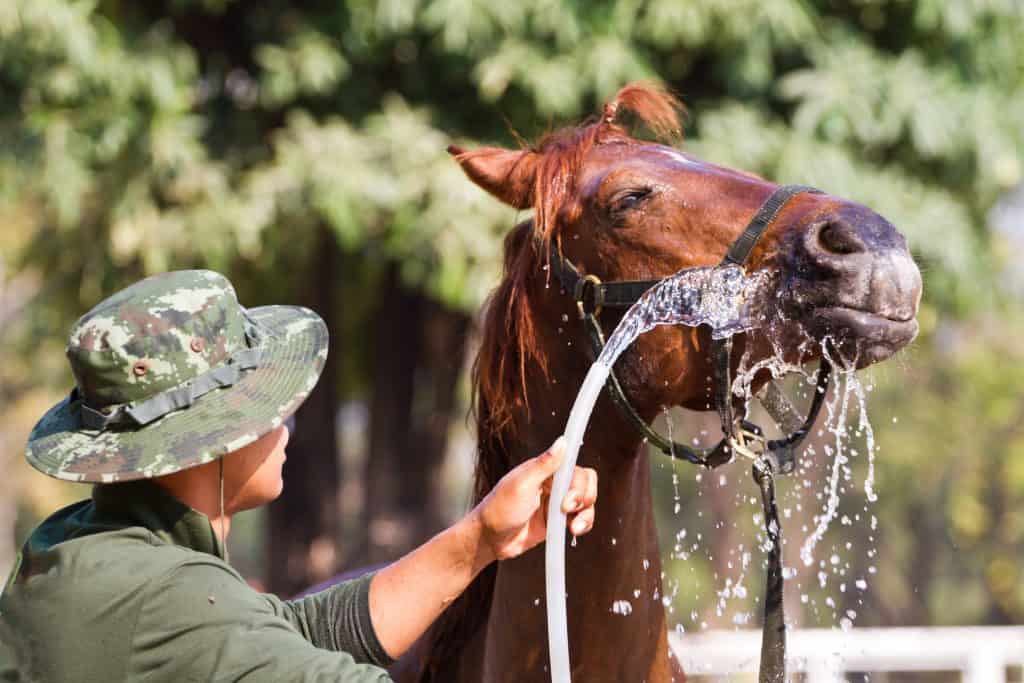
{"points": [[218, 423]]}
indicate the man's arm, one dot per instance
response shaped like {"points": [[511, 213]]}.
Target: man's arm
{"points": [[407, 596], [337, 618]]}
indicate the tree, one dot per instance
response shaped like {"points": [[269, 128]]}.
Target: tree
{"points": [[236, 134]]}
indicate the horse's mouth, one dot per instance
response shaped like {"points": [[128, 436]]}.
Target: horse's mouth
{"points": [[864, 337]]}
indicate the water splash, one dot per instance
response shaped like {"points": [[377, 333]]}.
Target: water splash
{"points": [[776, 364], [837, 410], [723, 298], [729, 302], [622, 607], [836, 574]]}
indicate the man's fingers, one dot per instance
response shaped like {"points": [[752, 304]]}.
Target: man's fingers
{"points": [[582, 522], [582, 490], [534, 472]]}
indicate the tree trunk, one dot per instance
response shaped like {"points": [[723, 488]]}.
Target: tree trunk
{"points": [[304, 521], [421, 492], [418, 352]]}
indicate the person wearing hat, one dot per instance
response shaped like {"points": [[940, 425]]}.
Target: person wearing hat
{"points": [[177, 417]]}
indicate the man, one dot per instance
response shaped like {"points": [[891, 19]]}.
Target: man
{"points": [[177, 417]]}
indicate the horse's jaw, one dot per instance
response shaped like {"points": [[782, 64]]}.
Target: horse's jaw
{"points": [[864, 338]]}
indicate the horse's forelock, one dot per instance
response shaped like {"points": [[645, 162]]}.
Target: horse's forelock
{"points": [[652, 105]]}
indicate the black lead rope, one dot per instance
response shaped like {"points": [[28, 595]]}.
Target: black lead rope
{"points": [[773, 457], [773, 631]]}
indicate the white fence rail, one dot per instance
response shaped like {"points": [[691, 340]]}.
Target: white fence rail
{"points": [[982, 654]]}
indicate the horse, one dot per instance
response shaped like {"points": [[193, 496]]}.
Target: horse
{"points": [[622, 208]]}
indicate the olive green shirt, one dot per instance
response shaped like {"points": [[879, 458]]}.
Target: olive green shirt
{"points": [[132, 586]]}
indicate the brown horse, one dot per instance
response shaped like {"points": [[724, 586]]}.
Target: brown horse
{"points": [[624, 209]]}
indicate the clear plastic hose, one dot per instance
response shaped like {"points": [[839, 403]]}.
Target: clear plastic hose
{"points": [[558, 628]]}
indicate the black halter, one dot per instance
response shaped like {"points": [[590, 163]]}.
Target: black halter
{"points": [[739, 436], [592, 295]]}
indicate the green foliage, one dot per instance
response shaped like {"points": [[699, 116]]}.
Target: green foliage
{"points": [[175, 150]]}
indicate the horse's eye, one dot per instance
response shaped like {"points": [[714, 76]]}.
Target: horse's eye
{"points": [[629, 199]]}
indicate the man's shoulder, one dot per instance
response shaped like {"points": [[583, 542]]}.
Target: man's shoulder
{"points": [[134, 552], [76, 602], [100, 566]]}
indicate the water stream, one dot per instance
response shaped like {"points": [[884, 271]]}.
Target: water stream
{"points": [[725, 299], [730, 302], [829, 575]]}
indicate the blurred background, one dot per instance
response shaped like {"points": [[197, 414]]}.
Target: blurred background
{"points": [[299, 147]]}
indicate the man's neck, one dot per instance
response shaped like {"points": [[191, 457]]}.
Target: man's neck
{"points": [[200, 488]]}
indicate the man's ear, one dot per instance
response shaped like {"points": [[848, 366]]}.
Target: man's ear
{"points": [[507, 174]]}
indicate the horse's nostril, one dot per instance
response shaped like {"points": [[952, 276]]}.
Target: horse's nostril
{"points": [[839, 238]]}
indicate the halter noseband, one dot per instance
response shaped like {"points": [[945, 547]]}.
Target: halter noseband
{"points": [[739, 435]]}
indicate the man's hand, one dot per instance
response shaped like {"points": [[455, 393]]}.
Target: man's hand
{"points": [[513, 516], [406, 596]]}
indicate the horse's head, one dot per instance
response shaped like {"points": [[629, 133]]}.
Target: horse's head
{"points": [[624, 209]]}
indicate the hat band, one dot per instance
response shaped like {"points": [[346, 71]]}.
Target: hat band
{"points": [[141, 413]]}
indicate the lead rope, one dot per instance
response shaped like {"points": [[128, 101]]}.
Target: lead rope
{"points": [[223, 536], [773, 633]]}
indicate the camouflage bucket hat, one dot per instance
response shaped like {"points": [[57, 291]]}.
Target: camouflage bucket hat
{"points": [[172, 372]]}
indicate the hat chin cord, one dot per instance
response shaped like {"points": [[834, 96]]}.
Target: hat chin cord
{"points": [[223, 536]]}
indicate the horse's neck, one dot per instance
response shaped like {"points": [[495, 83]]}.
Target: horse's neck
{"points": [[611, 445], [617, 625], [616, 618]]}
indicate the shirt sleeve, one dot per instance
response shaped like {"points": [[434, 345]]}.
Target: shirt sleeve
{"points": [[337, 618], [201, 622]]}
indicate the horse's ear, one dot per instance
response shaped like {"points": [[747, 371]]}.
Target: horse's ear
{"points": [[507, 174]]}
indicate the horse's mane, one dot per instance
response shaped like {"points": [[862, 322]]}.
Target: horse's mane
{"points": [[509, 340]]}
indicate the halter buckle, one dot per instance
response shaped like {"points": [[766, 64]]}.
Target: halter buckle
{"points": [[580, 291], [748, 443]]}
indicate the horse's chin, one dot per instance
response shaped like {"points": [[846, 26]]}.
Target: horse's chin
{"points": [[861, 337]]}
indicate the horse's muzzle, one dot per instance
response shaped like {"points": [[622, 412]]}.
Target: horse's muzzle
{"points": [[854, 281]]}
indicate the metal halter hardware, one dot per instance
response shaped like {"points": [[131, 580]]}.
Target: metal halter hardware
{"points": [[739, 436]]}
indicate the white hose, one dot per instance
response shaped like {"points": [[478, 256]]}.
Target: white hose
{"points": [[558, 628]]}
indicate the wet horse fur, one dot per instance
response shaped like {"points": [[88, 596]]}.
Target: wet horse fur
{"points": [[626, 209]]}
